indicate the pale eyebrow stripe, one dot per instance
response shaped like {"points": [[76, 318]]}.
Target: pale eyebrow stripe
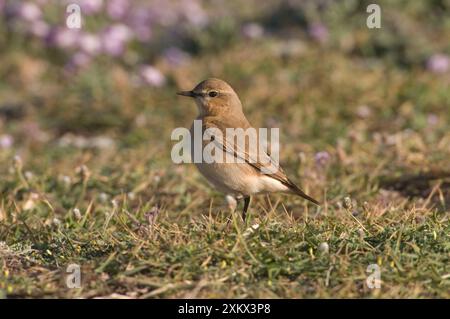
{"points": [[204, 93]]}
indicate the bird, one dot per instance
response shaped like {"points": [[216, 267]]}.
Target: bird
{"points": [[220, 109]]}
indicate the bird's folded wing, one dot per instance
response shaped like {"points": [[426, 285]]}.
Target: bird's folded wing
{"points": [[253, 154]]}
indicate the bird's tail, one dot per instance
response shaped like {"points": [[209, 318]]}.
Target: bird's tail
{"points": [[297, 190]]}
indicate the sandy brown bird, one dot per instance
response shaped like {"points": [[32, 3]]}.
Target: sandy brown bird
{"points": [[220, 108]]}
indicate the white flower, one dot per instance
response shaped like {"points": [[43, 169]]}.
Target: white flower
{"points": [[90, 43], [77, 213], [250, 230], [151, 76], [28, 175]]}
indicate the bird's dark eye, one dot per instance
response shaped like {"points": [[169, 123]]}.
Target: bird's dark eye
{"points": [[213, 93]]}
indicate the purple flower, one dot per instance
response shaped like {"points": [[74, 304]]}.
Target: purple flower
{"points": [[6, 141], [117, 9], [29, 11], [159, 13], [90, 6], [252, 31], [194, 13], [143, 33], [152, 215], [80, 59], [363, 111], [151, 76], [40, 29], [63, 38], [318, 32], [32, 130], [438, 63], [77, 61], [114, 39], [322, 158], [175, 56], [140, 21], [432, 119], [90, 43]]}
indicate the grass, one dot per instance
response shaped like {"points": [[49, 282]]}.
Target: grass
{"points": [[94, 184]]}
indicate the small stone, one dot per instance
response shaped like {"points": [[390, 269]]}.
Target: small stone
{"points": [[103, 197], [324, 248]]}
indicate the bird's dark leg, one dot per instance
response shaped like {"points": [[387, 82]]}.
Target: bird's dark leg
{"points": [[246, 204]]}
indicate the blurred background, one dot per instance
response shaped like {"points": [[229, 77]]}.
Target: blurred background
{"points": [[342, 93]]}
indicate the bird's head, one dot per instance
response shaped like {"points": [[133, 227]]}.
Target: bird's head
{"points": [[214, 96]]}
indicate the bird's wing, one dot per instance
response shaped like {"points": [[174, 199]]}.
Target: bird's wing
{"points": [[258, 159]]}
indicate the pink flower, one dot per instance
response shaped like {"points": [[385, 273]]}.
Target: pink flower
{"points": [[363, 111], [6, 141], [114, 39], [252, 30], [194, 13], [63, 38], [151, 76], [140, 21], [152, 215], [90, 43], [318, 32], [117, 9], [322, 158], [90, 6], [77, 61], [29, 11], [40, 29], [161, 15], [32, 130], [80, 59], [438, 63], [432, 119], [176, 56]]}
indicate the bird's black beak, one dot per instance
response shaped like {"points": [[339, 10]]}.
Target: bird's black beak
{"points": [[186, 93]]}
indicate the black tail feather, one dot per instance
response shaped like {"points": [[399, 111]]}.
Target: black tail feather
{"points": [[297, 190]]}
